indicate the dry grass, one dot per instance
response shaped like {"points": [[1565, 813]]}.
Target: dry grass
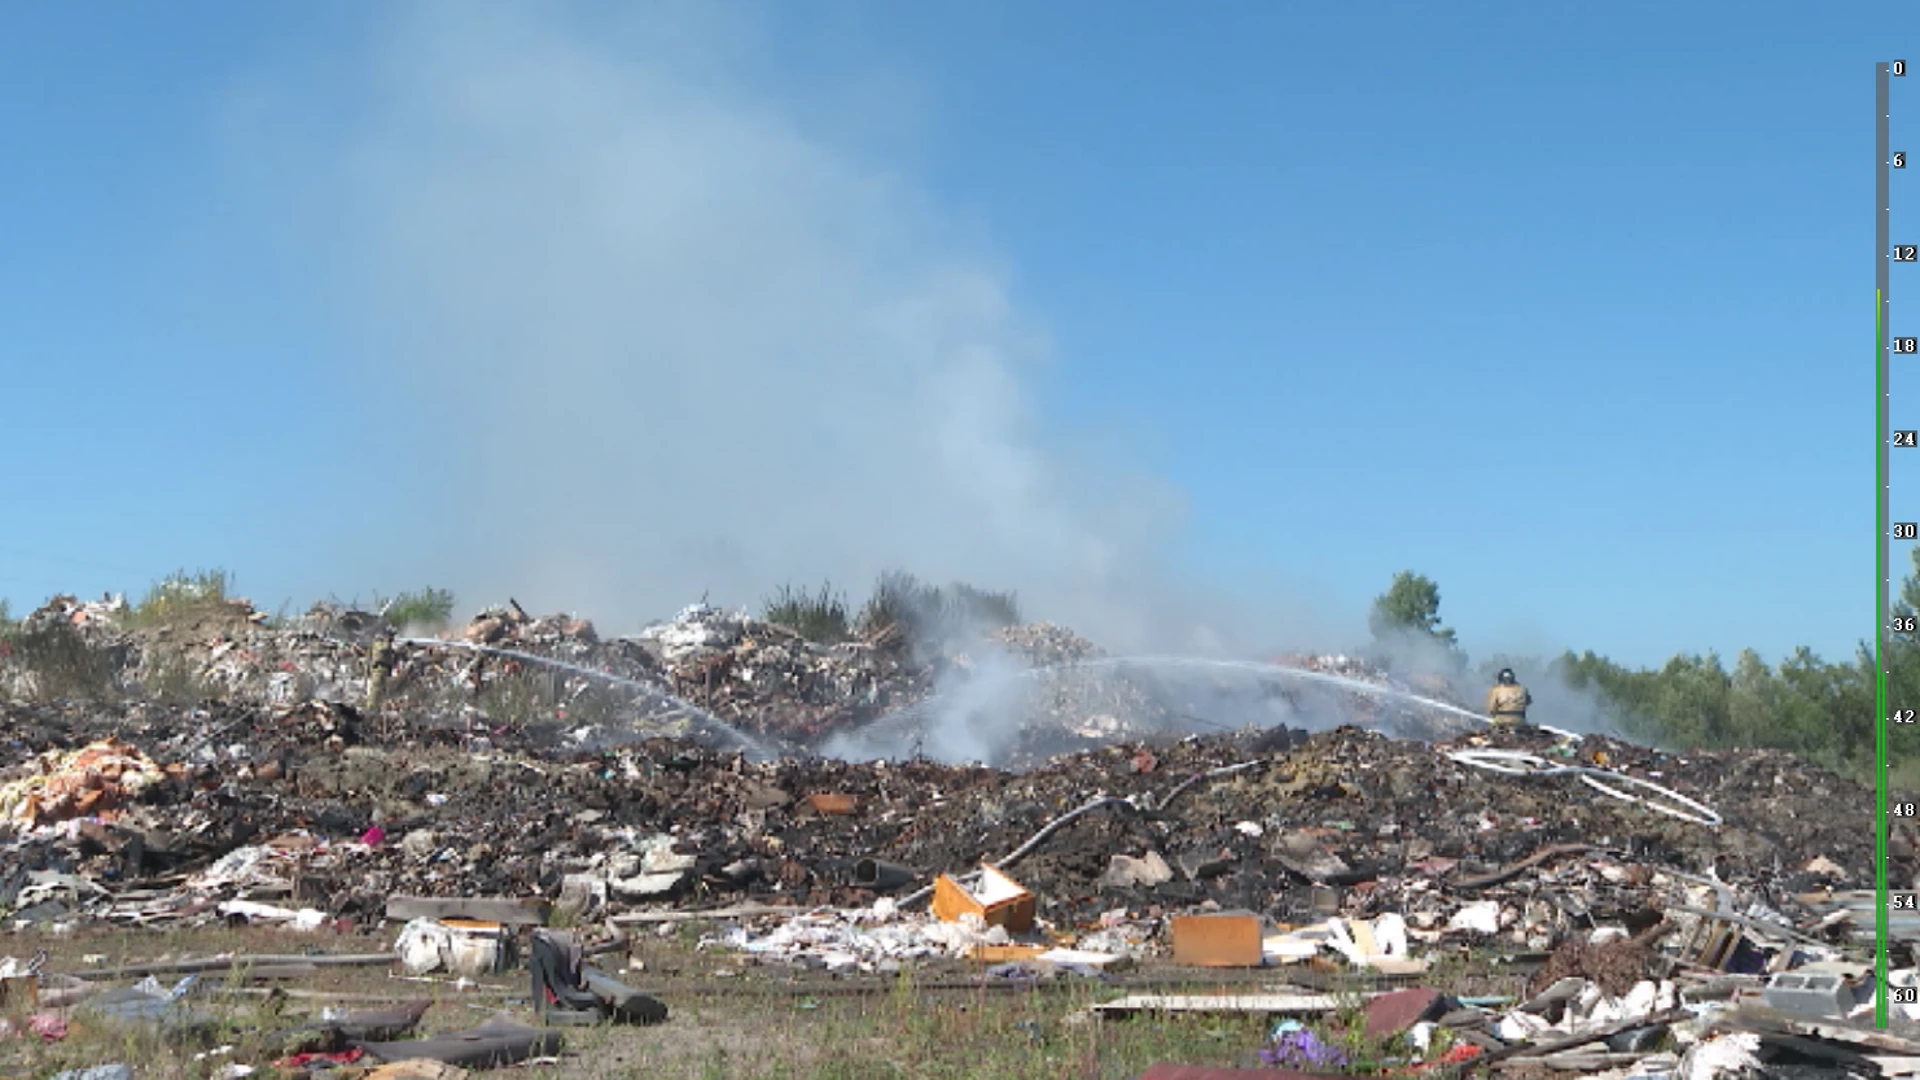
{"points": [[819, 617], [730, 1018]]}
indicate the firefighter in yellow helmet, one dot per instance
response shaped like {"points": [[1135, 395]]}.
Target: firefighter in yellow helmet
{"points": [[1507, 700], [380, 663]]}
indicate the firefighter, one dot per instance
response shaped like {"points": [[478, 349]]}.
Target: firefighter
{"points": [[380, 661], [1507, 700]]}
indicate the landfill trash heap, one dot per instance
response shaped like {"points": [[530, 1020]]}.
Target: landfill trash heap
{"points": [[710, 674], [281, 787], [222, 767]]}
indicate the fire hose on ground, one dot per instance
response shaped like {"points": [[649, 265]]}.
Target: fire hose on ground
{"points": [[1522, 764]]}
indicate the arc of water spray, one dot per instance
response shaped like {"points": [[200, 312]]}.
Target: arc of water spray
{"points": [[1282, 671], [1255, 667], [741, 740]]}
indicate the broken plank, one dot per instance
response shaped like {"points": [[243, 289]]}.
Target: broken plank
{"points": [[530, 912], [1576, 1061], [275, 972], [1269, 1004], [231, 962], [1001, 954], [1584, 1038], [740, 911], [1767, 1021]]}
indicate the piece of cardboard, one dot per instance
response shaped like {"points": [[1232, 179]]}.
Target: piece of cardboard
{"points": [[996, 898], [837, 805], [1380, 944], [20, 992], [1218, 940], [1001, 954]]}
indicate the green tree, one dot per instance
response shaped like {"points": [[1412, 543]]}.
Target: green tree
{"points": [[1690, 700], [1411, 605], [1902, 655], [1826, 710]]}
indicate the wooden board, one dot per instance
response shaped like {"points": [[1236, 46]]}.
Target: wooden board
{"points": [[531, 912], [1265, 1004]]}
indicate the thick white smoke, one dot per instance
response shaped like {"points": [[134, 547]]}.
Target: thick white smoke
{"points": [[645, 333], [654, 337]]}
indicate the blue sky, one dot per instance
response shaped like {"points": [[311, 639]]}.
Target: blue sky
{"points": [[1566, 306]]}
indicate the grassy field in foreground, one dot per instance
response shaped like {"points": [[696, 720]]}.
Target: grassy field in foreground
{"points": [[762, 1025]]}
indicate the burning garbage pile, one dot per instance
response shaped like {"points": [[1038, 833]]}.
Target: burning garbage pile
{"points": [[1009, 695], [1165, 811], [1385, 823], [1666, 896], [454, 777]]}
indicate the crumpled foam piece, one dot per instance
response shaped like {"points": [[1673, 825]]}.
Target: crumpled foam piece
{"points": [[305, 919], [1389, 940], [1519, 1026], [1480, 917], [1420, 1035], [1728, 1055]]}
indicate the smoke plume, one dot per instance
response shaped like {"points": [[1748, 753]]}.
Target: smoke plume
{"points": [[654, 337], [1427, 663], [643, 328]]}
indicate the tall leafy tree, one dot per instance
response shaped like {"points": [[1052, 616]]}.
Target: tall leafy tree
{"points": [[1411, 604]]}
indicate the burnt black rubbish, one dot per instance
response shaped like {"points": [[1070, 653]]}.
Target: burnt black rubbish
{"points": [[567, 991], [881, 877], [497, 1042]]}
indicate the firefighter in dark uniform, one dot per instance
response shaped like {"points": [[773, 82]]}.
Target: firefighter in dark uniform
{"points": [[1507, 700], [380, 662]]}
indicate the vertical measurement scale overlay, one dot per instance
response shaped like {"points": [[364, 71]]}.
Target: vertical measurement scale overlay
{"points": [[1882, 272], [1886, 159]]}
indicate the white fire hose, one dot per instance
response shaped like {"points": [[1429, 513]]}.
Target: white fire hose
{"points": [[1520, 763]]}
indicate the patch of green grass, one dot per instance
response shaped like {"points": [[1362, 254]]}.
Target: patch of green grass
{"points": [[182, 595], [1901, 775], [984, 606], [526, 698], [819, 617], [425, 609], [928, 614], [66, 665], [1007, 1033]]}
